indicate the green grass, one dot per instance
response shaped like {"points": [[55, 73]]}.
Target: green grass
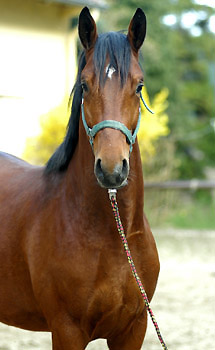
{"points": [[181, 209], [196, 216]]}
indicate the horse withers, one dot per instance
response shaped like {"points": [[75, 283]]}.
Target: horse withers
{"points": [[62, 264]]}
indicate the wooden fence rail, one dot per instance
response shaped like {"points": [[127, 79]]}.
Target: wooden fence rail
{"points": [[193, 184]]}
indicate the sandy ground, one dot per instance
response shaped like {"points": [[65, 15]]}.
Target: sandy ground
{"points": [[184, 303]]}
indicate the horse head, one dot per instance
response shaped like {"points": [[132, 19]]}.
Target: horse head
{"points": [[111, 85]]}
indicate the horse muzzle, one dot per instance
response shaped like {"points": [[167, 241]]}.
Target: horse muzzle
{"points": [[114, 178]]}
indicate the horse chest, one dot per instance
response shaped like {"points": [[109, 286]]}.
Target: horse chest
{"points": [[116, 301], [118, 293]]}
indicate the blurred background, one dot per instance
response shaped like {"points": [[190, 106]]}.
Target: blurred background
{"points": [[38, 64]]}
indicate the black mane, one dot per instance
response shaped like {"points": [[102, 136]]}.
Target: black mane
{"points": [[116, 47]]}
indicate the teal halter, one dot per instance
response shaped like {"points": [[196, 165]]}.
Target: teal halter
{"points": [[113, 124]]}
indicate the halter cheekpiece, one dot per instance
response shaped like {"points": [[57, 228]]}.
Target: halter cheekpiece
{"points": [[113, 124]]}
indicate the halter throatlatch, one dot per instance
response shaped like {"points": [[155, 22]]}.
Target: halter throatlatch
{"points": [[113, 124]]}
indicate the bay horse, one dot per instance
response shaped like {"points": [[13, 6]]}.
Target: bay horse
{"points": [[62, 264]]}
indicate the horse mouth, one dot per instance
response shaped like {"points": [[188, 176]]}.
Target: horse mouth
{"points": [[110, 185], [115, 179]]}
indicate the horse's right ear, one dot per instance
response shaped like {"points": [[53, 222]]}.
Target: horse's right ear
{"points": [[87, 29]]}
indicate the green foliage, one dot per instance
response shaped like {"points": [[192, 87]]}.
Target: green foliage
{"points": [[152, 127], [53, 127]]}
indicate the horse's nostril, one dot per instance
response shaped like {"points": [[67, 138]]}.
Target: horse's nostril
{"points": [[98, 163], [125, 167], [98, 167]]}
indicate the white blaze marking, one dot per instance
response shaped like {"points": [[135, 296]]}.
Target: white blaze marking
{"points": [[110, 70]]}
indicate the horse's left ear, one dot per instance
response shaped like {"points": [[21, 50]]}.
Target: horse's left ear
{"points": [[87, 29], [137, 30]]}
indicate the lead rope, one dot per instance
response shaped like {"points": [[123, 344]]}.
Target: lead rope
{"points": [[112, 196]]}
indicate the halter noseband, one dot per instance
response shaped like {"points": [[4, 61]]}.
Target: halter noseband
{"points": [[113, 124]]}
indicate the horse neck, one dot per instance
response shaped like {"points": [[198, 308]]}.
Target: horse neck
{"points": [[83, 188]]}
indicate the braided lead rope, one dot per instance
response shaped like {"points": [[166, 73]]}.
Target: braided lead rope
{"points": [[112, 195]]}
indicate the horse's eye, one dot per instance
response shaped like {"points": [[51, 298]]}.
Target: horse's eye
{"points": [[139, 88], [84, 86]]}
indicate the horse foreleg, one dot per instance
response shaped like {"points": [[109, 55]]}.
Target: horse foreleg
{"points": [[131, 339], [67, 336]]}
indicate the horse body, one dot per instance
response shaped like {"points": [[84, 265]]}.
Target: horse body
{"points": [[62, 264], [76, 256]]}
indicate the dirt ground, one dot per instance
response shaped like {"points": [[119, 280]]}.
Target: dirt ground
{"points": [[184, 303]]}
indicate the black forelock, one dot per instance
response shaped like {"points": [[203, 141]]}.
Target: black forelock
{"points": [[114, 46]]}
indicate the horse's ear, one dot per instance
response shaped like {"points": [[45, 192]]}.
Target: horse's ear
{"points": [[137, 30], [87, 29]]}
